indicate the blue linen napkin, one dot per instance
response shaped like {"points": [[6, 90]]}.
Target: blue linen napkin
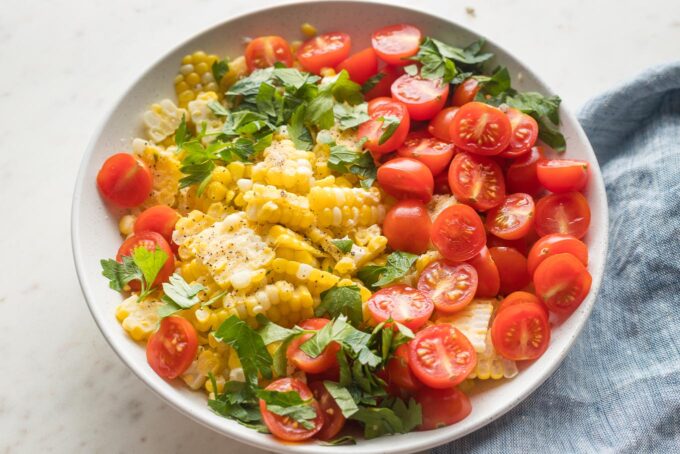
{"points": [[618, 390]]}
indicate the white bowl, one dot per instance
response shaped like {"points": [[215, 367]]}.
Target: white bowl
{"points": [[95, 234]]}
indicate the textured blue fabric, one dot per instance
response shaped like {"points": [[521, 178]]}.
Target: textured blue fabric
{"points": [[618, 390]]}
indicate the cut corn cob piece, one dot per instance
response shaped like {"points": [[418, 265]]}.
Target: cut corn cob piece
{"points": [[425, 259], [315, 279], [195, 77], [276, 206], [164, 167], [192, 377], [473, 321], [190, 225], [139, 319], [237, 69], [126, 224], [162, 120], [492, 365], [348, 263], [346, 207], [201, 114], [282, 237], [439, 203], [206, 362], [322, 152], [285, 167]]}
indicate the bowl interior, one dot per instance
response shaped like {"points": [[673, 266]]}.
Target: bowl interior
{"points": [[95, 234]]}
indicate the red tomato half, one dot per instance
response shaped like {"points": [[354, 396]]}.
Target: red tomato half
{"points": [[521, 332], [406, 178], [264, 51], [441, 357], [396, 43], [556, 243], [388, 75], [563, 175], [458, 233], [566, 213], [377, 128], [562, 283], [326, 360], [324, 51], [284, 427], [422, 97], [407, 226], [477, 181], [440, 125], [403, 304], [512, 268], [434, 153], [151, 241], [171, 350], [399, 373], [333, 419], [360, 66], [521, 176], [442, 407], [488, 278], [160, 219], [441, 183], [465, 92], [513, 218], [450, 287], [481, 129], [524, 134], [521, 298], [124, 180]]}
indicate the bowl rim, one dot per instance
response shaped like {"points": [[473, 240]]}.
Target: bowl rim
{"points": [[437, 437]]}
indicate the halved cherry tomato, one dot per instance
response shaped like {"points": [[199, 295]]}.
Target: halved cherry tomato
{"points": [[360, 66], [287, 428], [521, 244], [396, 43], [440, 125], [566, 213], [465, 92], [441, 183], [458, 233], [512, 269], [520, 297], [398, 372], [333, 419], [488, 279], [388, 75], [124, 180], [481, 129], [376, 130], [562, 283], [442, 407], [556, 243], [524, 134], [521, 175], [151, 241], [521, 332], [264, 51], [407, 226], [422, 97], [160, 219], [440, 356], [406, 178], [171, 350], [513, 218], [403, 304], [434, 153], [563, 175], [324, 51], [450, 287], [326, 360], [477, 181]]}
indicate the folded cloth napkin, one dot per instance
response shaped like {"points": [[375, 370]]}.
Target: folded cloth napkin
{"points": [[618, 390]]}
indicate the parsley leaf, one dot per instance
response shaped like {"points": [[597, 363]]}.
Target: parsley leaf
{"points": [[297, 130], [341, 301], [389, 127], [120, 274], [400, 418], [434, 64], [342, 398], [218, 109], [238, 402], [149, 263], [361, 164], [497, 83], [348, 116], [344, 245], [178, 295], [320, 111], [270, 332], [470, 55], [289, 404], [545, 111], [181, 133], [372, 82], [249, 346], [353, 340], [219, 69], [398, 264]]}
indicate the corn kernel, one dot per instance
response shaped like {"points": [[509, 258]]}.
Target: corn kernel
{"points": [[216, 191], [222, 175], [308, 30], [327, 72], [126, 224]]}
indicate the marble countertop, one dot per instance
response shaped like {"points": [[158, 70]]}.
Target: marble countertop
{"points": [[62, 389]]}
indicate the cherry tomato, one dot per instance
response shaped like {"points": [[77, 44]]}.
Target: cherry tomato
{"points": [[284, 427], [512, 269], [524, 134], [360, 66], [450, 287], [513, 218], [521, 244], [406, 178], [388, 75], [333, 419], [563, 175], [160, 219], [326, 360], [440, 125], [562, 283], [521, 332], [477, 181], [440, 356], [458, 233], [398, 372], [151, 241], [324, 51], [556, 243], [376, 128], [423, 97], [407, 226], [481, 129], [488, 279], [566, 213], [521, 175], [403, 304], [396, 43], [432, 152], [465, 92], [171, 350], [441, 183], [124, 180], [264, 51], [442, 407], [521, 298]]}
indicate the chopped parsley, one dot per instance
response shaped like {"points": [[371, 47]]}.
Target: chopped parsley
{"points": [[142, 265], [398, 264]]}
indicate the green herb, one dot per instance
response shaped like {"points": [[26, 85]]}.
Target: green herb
{"points": [[249, 346], [218, 109], [391, 339], [389, 127], [181, 133], [372, 82], [495, 84], [237, 402], [344, 440], [297, 130], [270, 332], [344, 245], [341, 301], [342, 398], [345, 371], [178, 295], [361, 164], [142, 265], [320, 111], [471, 55], [434, 64], [289, 404], [400, 418], [348, 116], [219, 69], [398, 264]]}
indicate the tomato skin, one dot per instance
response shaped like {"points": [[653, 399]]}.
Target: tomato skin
{"points": [[450, 287], [442, 407], [149, 240], [160, 219], [283, 427], [521, 297], [522, 175], [434, 153], [325, 361], [394, 44], [333, 419], [523, 136], [513, 218], [512, 269], [441, 183], [171, 350], [403, 304], [324, 51], [422, 97], [563, 175], [465, 92], [264, 51], [384, 86], [374, 128], [406, 178], [360, 66], [124, 180], [398, 372], [440, 356], [567, 213], [440, 125], [488, 278], [458, 233], [476, 181], [556, 243], [562, 283], [407, 226], [481, 129], [521, 332]]}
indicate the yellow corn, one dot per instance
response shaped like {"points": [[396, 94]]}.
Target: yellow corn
{"points": [[315, 279], [308, 30], [126, 224], [162, 120], [164, 167], [285, 167], [491, 365], [276, 206], [358, 256], [473, 321], [139, 320], [321, 154], [201, 114], [327, 72], [237, 70], [346, 207], [195, 76]]}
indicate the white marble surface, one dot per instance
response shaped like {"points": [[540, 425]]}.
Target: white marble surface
{"points": [[62, 389]]}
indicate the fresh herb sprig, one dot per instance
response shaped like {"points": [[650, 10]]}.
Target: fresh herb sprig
{"points": [[142, 265]]}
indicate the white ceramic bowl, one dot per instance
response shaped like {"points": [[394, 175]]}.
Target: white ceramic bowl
{"points": [[95, 234]]}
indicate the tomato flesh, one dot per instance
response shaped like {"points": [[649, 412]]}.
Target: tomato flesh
{"points": [[442, 407], [513, 218], [160, 219], [407, 226], [562, 283], [396, 43], [567, 213], [434, 153], [488, 278], [403, 304], [360, 66], [458, 233], [521, 332], [512, 269], [406, 178], [450, 287], [151, 241], [563, 175], [556, 243], [325, 361], [324, 51], [264, 51], [523, 136], [376, 129], [124, 180], [171, 350], [398, 372], [481, 129], [521, 175], [465, 92], [477, 181], [333, 419], [440, 125], [284, 427], [422, 97]]}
